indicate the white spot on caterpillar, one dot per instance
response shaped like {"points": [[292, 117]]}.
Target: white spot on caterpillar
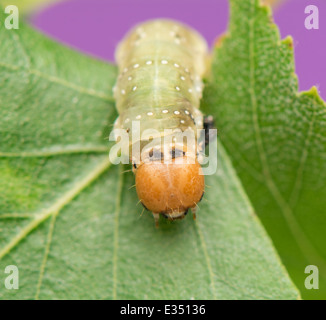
{"points": [[149, 62], [127, 120], [125, 70], [123, 91], [134, 88], [186, 112], [176, 65], [129, 78], [138, 117], [176, 112], [164, 62], [182, 121], [177, 88], [149, 113], [186, 70], [189, 90], [165, 111], [136, 65], [183, 78]]}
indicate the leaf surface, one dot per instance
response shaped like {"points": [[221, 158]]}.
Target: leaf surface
{"points": [[69, 220], [275, 136]]}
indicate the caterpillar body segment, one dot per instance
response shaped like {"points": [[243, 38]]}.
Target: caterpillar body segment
{"points": [[161, 65]]}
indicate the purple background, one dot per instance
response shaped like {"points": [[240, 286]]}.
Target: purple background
{"points": [[96, 26]]}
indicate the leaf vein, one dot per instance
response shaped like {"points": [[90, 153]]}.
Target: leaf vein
{"points": [[46, 254], [62, 82], [57, 206], [49, 153], [298, 181], [303, 242], [116, 234], [207, 259]]}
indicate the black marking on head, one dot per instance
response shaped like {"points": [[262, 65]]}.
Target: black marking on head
{"points": [[135, 165], [177, 153], [201, 198], [155, 155], [186, 212]]}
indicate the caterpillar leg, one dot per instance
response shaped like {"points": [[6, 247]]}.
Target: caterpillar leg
{"points": [[194, 210], [156, 218], [209, 124]]}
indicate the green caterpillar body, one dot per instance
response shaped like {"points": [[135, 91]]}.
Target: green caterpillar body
{"points": [[161, 65]]}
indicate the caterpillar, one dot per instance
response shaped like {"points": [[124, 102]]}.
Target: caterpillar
{"points": [[161, 65]]}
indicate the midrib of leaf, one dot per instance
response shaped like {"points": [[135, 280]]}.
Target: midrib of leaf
{"points": [[57, 206], [303, 242]]}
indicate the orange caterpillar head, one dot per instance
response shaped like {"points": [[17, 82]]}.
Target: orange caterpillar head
{"points": [[170, 188]]}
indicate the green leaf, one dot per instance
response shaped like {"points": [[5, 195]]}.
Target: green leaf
{"points": [[275, 136], [69, 220]]}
